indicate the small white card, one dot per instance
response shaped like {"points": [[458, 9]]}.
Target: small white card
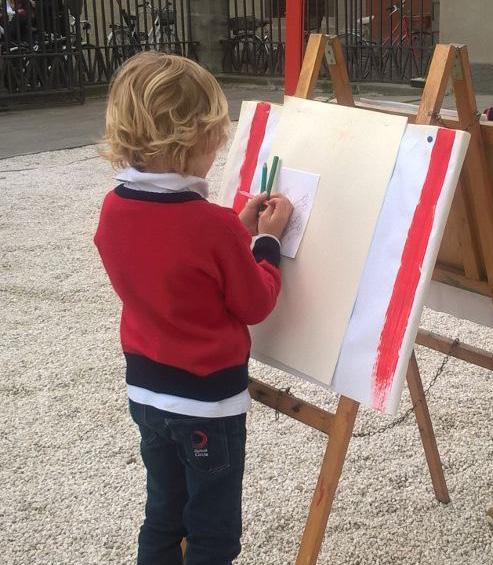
{"points": [[300, 187]]}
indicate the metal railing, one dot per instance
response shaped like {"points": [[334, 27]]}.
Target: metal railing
{"points": [[122, 28], [384, 40], [40, 47], [63, 45]]}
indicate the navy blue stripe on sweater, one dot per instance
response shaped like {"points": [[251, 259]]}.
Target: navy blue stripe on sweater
{"points": [[166, 197], [166, 379]]}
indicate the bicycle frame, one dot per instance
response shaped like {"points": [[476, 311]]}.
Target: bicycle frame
{"points": [[162, 32], [396, 31]]}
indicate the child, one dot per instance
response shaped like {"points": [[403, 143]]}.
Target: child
{"points": [[190, 284]]}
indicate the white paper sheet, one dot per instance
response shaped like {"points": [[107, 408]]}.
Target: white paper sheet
{"points": [[300, 187]]}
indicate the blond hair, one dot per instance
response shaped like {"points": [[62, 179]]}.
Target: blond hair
{"points": [[163, 106]]}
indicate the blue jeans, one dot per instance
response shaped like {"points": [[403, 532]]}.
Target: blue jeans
{"points": [[194, 483]]}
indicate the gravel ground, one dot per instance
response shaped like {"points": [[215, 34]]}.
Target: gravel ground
{"points": [[71, 481]]}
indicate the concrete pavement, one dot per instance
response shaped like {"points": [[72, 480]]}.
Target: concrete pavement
{"points": [[63, 127]]}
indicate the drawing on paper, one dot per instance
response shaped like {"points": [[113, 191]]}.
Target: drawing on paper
{"points": [[300, 187]]}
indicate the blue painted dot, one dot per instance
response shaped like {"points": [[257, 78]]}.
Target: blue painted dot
{"points": [[430, 139]]}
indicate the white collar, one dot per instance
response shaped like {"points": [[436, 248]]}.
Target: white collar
{"points": [[162, 182]]}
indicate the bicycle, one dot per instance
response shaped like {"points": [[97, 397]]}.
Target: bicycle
{"points": [[247, 50], [126, 39], [403, 47]]}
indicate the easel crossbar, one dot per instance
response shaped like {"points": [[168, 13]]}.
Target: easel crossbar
{"points": [[456, 349], [284, 402]]}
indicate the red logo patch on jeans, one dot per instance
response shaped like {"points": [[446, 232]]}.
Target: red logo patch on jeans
{"points": [[199, 444]]}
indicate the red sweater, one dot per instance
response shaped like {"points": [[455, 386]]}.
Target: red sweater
{"points": [[189, 284]]}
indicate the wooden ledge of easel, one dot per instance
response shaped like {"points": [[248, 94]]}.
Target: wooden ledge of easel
{"points": [[455, 278], [286, 403], [486, 127], [456, 349]]}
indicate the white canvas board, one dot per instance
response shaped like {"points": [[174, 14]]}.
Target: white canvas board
{"points": [[300, 187], [356, 374], [354, 152]]}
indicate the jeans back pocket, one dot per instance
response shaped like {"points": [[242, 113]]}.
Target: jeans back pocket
{"points": [[203, 444]]}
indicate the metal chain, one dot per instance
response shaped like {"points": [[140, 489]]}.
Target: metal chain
{"points": [[406, 414], [410, 410]]}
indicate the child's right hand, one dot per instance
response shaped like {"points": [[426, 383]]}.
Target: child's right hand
{"points": [[276, 216]]}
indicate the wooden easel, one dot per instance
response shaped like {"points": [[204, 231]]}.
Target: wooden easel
{"points": [[474, 194]]}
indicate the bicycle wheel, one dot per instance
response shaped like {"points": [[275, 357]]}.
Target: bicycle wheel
{"points": [[359, 55]]}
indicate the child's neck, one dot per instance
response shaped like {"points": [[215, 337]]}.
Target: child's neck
{"points": [[197, 166], [167, 170], [158, 167]]}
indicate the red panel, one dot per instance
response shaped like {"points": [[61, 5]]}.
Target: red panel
{"points": [[294, 44]]}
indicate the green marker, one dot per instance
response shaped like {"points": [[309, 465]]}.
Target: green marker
{"points": [[272, 175], [263, 184]]}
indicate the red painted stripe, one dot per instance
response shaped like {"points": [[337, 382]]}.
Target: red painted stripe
{"points": [[400, 305], [255, 139]]}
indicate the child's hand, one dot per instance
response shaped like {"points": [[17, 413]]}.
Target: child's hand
{"points": [[276, 216], [249, 214]]}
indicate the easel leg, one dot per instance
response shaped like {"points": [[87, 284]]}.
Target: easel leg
{"points": [[328, 480], [426, 430]]}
